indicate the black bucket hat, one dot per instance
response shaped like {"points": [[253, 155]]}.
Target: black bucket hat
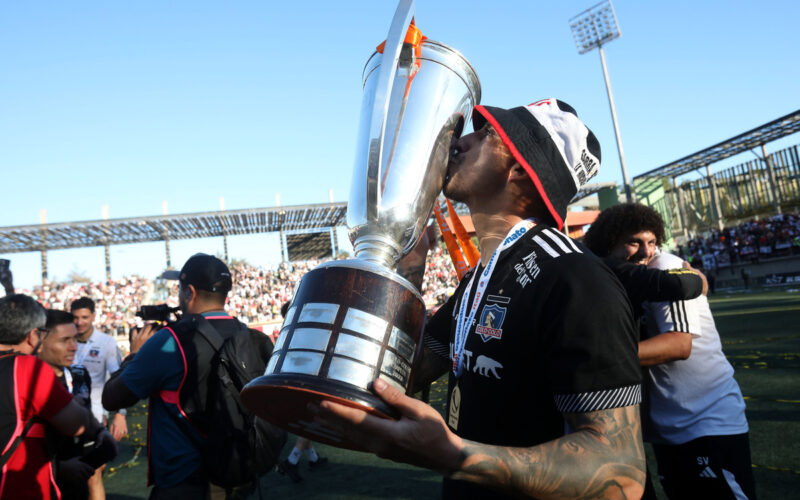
{"points": [[549, 141]]}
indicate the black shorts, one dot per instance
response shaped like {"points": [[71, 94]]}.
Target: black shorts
{"points": [[711, 467]]}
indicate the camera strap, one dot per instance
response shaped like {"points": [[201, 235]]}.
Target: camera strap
{"points": [[10, 451]]}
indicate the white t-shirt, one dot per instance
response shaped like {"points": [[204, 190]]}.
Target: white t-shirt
{"points": [[697, 396], [101, 357]]}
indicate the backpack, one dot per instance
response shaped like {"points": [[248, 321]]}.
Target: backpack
{"points": [[238, 447]]}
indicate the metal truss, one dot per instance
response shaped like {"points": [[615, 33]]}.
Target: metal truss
{"points": [[786, 125], [43, 237]]}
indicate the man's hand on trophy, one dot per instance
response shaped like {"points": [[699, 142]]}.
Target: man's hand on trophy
{"points": [[419, 438]]}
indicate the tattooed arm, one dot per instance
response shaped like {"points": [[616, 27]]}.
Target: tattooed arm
{"points": [[429, 368], [432, 361], [602, 458], [412, 266]]}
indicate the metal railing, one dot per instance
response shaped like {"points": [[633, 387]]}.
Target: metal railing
{"points": [[744, 191]]}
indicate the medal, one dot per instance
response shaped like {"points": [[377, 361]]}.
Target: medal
{"points": [[455, 407]]}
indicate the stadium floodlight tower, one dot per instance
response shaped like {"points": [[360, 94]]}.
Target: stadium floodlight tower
{"points": [[592, 28]]}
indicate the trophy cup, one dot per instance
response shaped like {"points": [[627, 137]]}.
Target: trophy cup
{"points": [[352, 321]]}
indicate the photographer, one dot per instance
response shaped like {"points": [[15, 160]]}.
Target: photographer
{"points": [[164, 363], [75, 457], [31, 395]]}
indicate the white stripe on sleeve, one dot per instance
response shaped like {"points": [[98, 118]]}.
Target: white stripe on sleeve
{"points": [[547, 248], [555, 239], [565, 238]]}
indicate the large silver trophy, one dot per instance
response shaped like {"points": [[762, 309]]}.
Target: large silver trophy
{"points": [[353, 321]]}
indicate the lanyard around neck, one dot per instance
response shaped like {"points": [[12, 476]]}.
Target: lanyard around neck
{"points": [[465, 319]]}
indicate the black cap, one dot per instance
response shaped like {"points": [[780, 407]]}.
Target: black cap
{"points": [[204, 272]]}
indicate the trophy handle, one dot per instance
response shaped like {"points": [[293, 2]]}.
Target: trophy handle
{"points": [[391, 56]]}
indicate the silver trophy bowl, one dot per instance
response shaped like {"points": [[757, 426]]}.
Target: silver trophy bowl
{"points": [[411, 111], [353, 321]]}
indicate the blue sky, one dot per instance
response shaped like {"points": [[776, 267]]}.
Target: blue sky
{"points": [[127, 104]]}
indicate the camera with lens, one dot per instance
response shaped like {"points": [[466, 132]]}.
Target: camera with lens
{"points": [[159, 312]]}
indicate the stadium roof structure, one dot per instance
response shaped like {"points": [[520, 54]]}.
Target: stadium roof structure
{"points": [[783, 126], [39, 237]]}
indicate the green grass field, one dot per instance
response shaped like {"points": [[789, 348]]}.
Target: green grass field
{"points": [[761, 336]]}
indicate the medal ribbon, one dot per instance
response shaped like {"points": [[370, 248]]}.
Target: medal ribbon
{"points": [[459, 261], [464, 241], [464, 320]]}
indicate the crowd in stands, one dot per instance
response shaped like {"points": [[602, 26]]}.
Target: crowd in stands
{"points": [[258, 293], [116, 301], [440, 279], [748, 242], [256, 297]]}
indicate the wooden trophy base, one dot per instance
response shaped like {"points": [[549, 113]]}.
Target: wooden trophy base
{"points": [[349, 323]]}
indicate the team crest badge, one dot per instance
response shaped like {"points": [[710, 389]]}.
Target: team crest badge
{"points": [[93, 353], [490, 325]]}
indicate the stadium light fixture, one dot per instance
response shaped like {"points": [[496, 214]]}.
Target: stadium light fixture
{"points": [[592, 28]]}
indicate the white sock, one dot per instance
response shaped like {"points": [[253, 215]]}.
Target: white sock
{"points": [[312, 455], [294, 456]]}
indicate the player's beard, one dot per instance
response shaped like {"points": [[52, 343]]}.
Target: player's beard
{"points": [[450, 187]]}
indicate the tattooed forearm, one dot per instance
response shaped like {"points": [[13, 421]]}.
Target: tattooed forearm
{"points": [[427, 368], [602, 458]]}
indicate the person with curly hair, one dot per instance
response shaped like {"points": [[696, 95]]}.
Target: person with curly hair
{"points": [[695, 415], [641, 225], [640, 230]]}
